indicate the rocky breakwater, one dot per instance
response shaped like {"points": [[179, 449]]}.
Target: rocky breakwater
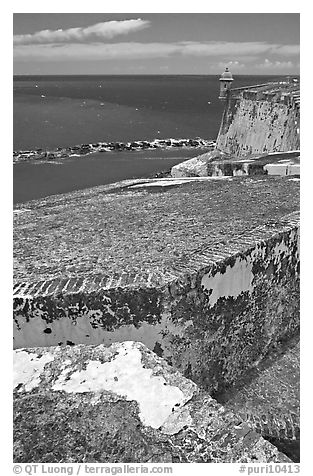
{"points": [[84, 149], [122, 404]]}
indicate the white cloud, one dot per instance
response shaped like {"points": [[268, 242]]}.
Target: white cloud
{"points": [[239, 53], [98, 32], [277, 67], [267, 64], [225, 48], [96, 51], [286, 50], [232, 65]]}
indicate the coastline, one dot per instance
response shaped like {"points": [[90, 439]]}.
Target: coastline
{"points": [[86, 149]]}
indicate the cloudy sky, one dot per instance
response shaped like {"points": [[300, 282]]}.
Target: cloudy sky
{"points": [[156, 43]]}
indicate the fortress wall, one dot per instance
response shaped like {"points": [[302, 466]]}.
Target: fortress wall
{"points": [[253, 125], [284, 164], [213, 318]]}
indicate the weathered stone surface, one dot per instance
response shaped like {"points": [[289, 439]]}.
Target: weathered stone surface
{"points": [[260, 119], [112, 228], [212, 165], [194, 167], [268, 398], [121, 404], [283, 168], [223, 295]]}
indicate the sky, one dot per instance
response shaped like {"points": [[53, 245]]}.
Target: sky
{"points": [[156, 43]]}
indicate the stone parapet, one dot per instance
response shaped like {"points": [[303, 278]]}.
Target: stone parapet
{"points": [[214, 313], [214, 165]]}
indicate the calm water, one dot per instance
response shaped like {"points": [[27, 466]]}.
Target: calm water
{"points": [[35, 180], [52, 111]]}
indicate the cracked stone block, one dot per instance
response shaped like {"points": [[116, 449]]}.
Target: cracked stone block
{"points": [[121, 403]]}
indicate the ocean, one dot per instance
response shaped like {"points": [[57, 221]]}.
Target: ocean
{"points": [[62, 111]]}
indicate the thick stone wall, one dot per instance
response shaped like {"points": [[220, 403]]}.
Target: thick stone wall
{"points": [[253, 125], [213, 318]]}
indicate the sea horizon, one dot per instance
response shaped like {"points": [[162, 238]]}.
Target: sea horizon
{"points": [[152, 74]]}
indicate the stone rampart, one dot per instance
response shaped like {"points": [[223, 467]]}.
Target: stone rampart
{"points": [[260, 120], [210, 165], [213, 314]]}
